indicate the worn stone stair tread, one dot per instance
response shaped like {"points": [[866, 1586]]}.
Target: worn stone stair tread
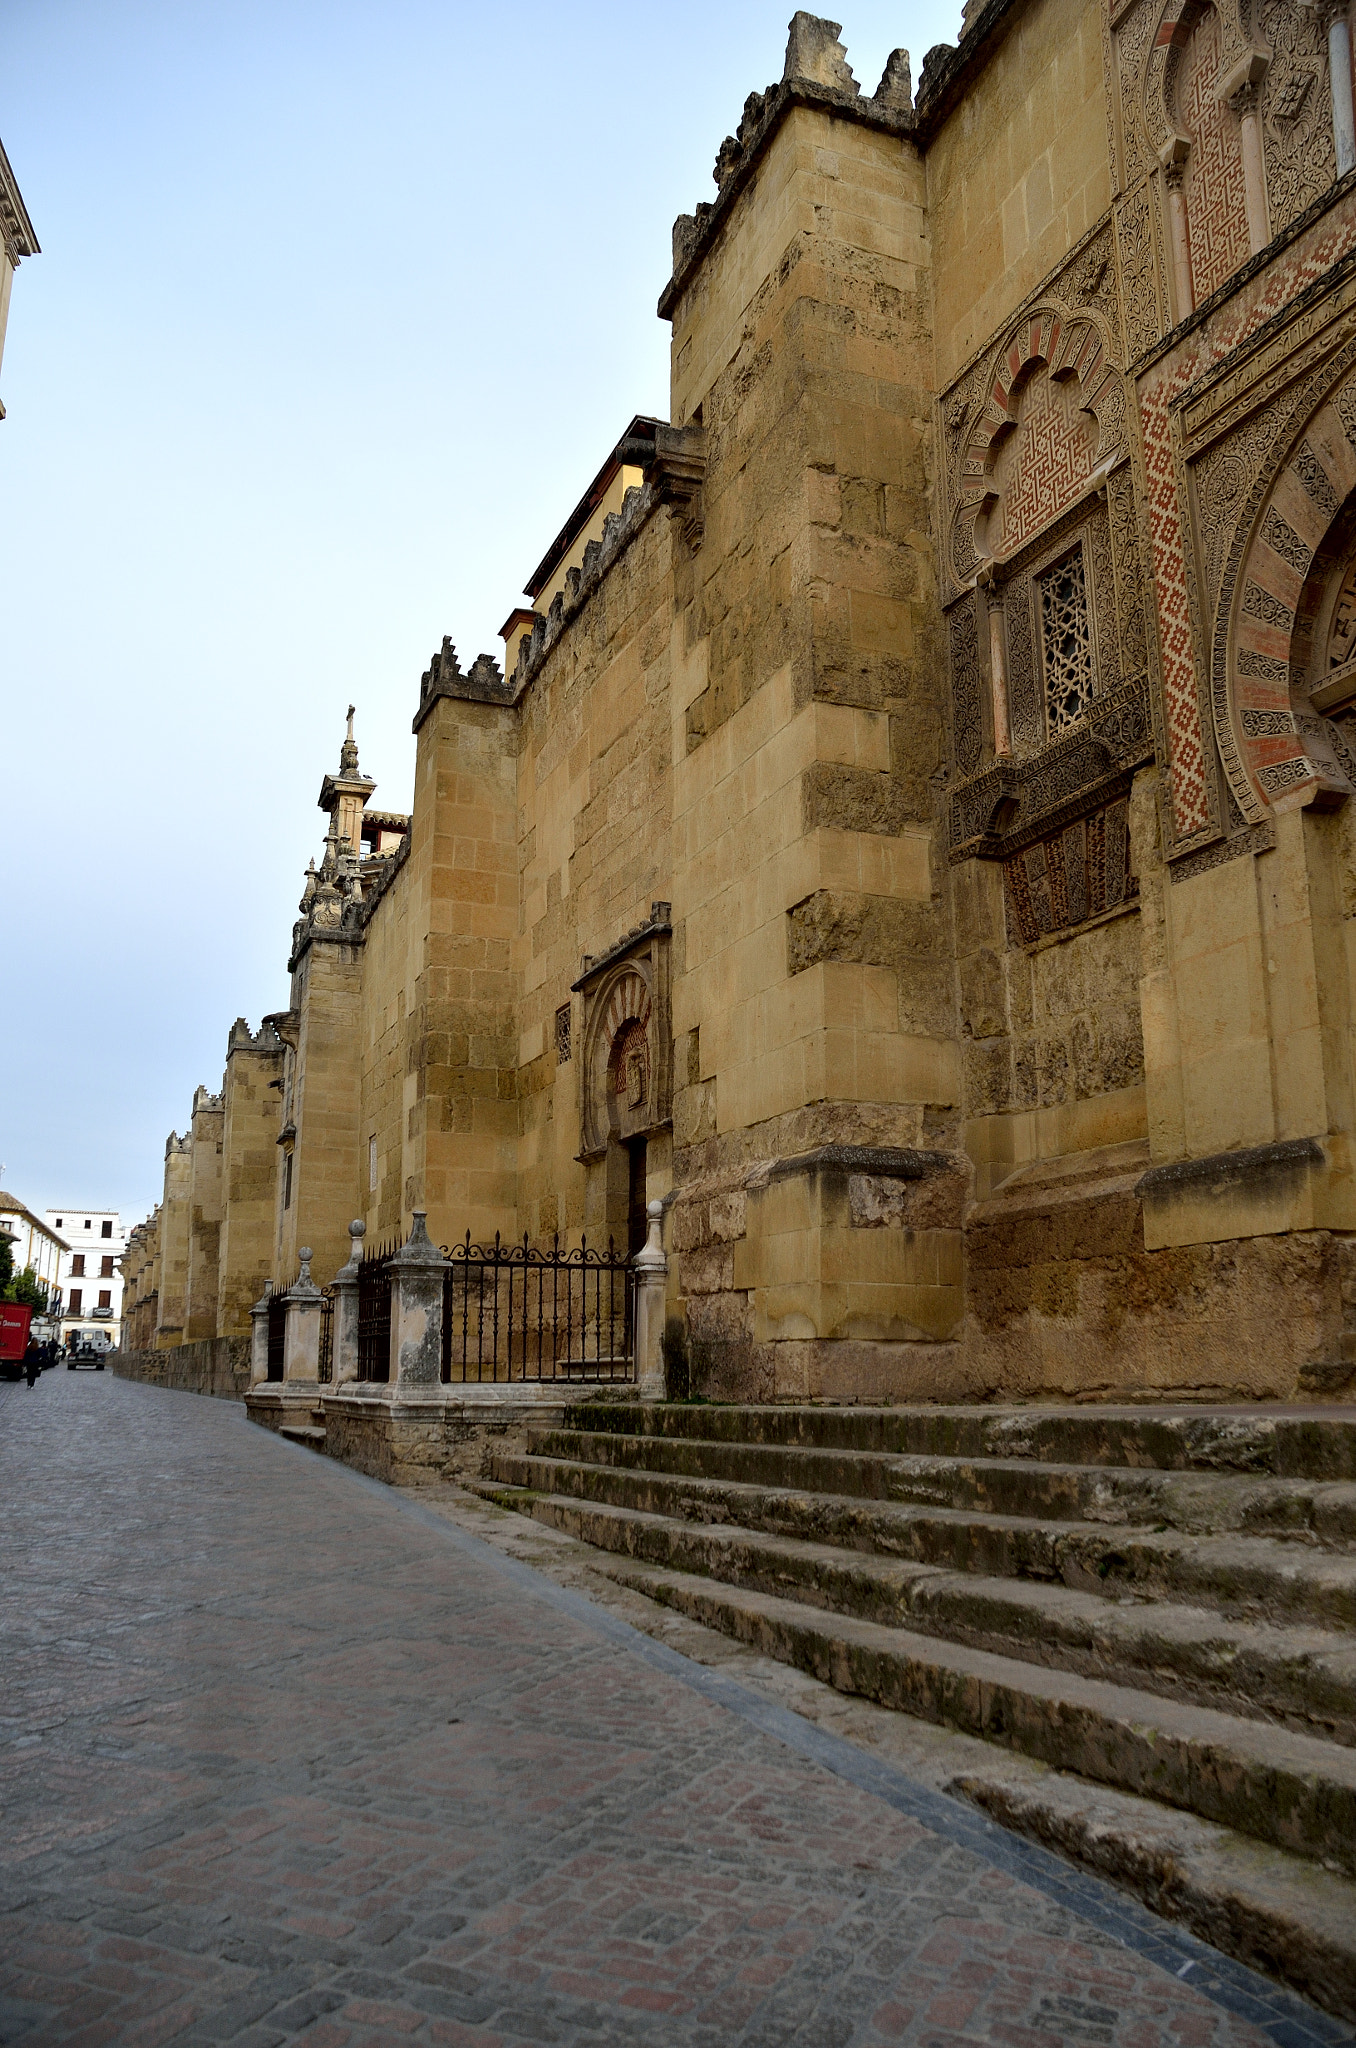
{"points": [[1312, 1438], [1232, 1574], [1193, 1502], [1302, 1678], [310, 1433], [1281, 1913], [1287, 1788]]}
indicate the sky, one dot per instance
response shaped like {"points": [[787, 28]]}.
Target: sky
{"points": [[339, 309]]}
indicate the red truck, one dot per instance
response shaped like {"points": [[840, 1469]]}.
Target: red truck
{"points": [[15, 1317]]}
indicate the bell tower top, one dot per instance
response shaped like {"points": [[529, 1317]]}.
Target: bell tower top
{"points": [[345, 795]]}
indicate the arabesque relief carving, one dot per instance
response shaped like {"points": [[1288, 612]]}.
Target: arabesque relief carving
{"points": [[1284, 680]]}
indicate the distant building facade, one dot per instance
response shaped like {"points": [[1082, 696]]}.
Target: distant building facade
{"points": [[91, 1273], [912, 832], [37, 1246]]}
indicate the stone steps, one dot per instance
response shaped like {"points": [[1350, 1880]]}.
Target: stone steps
{"points": [[1147, 1619], [1322, 1512], [1304, 1679], [1317, 1444], [1245, 1579], [1280, 1787], [311, 1434]]}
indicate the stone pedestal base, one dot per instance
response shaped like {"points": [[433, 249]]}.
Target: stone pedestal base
{"points": [[444, 1433], [277, 1402]]}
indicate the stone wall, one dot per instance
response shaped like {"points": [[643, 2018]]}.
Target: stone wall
{"points": [[205, 1213], [896, 817], [212, 1365]]}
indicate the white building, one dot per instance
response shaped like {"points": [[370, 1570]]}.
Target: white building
{"points": [[36, 1244], [91, 1276]]}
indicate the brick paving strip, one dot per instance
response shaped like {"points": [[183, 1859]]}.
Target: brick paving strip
{"points": [[290, 1756]]}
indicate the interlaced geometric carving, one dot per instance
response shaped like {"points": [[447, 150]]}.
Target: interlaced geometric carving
{"points": [[1189, 808], [1066, 640], [1135, 240], [967, 712], [1342, 635], [1281, 536], [1217, 216], [1260, 604], [1026, 717], [1315, 479], [1267, 724], [1264, 666], [1048, 460]]}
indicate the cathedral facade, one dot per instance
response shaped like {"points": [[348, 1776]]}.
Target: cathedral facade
{"points": [[910, 830]]}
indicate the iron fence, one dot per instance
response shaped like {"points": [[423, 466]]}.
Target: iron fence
{"points": [[516, 1312], [325, 1355], [277, 1332], [374, 1314]]}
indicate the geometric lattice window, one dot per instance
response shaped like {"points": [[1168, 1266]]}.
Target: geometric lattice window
{"points": [[1066, 640]]}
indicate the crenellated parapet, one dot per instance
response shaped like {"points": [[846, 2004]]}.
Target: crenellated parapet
{"points": [[816, 73], [242, 1039], [483, 684]]}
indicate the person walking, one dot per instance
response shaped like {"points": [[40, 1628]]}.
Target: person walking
{"points": [[33, 1361]]}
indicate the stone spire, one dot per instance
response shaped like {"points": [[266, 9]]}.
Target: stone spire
{"points": [[345, 795]]}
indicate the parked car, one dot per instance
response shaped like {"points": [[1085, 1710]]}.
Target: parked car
{"points": [[86, 1351]]}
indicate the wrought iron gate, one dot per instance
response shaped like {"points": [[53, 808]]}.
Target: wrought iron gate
{"points": [[325, 1355], [374, 1315], [513, 1312], [277, 1332]]}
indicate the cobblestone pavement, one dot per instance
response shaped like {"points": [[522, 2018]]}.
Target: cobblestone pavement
{"points": [[287, 1757]]}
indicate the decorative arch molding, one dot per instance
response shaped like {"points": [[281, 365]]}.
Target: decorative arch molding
{"points": [[1277, 629], [1239, 54], [626, 1063], [1073, 351]]}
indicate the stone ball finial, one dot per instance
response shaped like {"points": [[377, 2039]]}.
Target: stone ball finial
{"points": [[650, 1258], [357, 1230]]}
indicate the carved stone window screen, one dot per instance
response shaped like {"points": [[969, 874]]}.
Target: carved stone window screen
{"points": [[1067, 655]]}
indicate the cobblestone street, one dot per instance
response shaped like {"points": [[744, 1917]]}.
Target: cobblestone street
{"points": [[287, 1758]]}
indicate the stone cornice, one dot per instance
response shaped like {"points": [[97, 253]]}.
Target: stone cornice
{"points": [[15, 226], [658, 921]]}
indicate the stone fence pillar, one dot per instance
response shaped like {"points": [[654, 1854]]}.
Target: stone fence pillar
{"points": [[259, 1337], [651, 1270], [344, 1363], [301, 1345], [417, 1311]]}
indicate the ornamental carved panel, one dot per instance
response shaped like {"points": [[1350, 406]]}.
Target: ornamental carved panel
{"points": [[1297, 137], [626, 1045], [1048, 414], [1035, 415], [1284, 677], [1079, 873]]}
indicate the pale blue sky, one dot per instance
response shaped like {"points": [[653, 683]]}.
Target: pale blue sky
{"points": [[339, 308]]}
